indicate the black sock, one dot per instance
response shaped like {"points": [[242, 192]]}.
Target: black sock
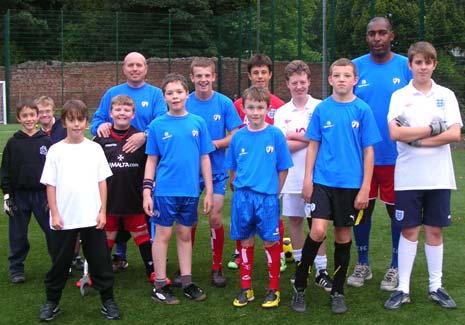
{"points": [[341, 265], [145, 250], [308, 256]]}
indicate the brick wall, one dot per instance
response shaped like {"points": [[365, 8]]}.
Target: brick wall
{"points": [[88, 80]]}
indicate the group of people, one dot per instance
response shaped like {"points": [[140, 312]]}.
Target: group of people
{"points": [[156, 150]]}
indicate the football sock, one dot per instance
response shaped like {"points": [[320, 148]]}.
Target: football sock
{"points": [[145, 250], [297, 255], [246, 266], [395, 235], [407, 253], [434, 255], [274, 264], [217, 244], [321, 263], [159, 283], [308, 256], [281, 237], [362, 239], [186, 280], [341, 264], [121, 250]]}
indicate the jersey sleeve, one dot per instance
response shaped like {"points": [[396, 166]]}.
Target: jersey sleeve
{"points": [[104, 170], [5, 171], [279, 119], [233, 119], [395, 107], [159, 104], [102, 114], [206, 143], [314, 129], [49, 173], [284, 156], [231, 155]]}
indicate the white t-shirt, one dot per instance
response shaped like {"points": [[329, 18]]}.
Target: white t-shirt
{"points": [[289, 118], [75, 170], [424, 168]]}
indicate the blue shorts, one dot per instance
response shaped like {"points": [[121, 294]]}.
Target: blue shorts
{"points": [[219, 183], [254, 213], [170, 209], [422, 207]]}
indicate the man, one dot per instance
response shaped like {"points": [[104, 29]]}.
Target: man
{"points": [[381, 72], [149, 105]]}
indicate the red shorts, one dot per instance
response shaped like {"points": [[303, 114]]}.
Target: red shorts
{"points": [[132, 223], [383, 181]]}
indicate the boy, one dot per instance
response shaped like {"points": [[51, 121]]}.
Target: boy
{"points": [[218, 112], [260, 72], [75, 174], [338, 170], [50, 124], [53, 127], [178, 145], [22, 163], [423, 118], [258, 158], [124, 187], [293, 118]]}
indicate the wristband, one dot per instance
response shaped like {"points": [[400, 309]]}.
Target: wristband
{"points": [[147, 183]]}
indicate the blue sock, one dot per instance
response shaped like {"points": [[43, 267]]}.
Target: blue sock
{"points": [[395, 235], [362, 239], [121, 250]]}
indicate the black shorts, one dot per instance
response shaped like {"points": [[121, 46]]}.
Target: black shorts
{"points": [[334, 203]]}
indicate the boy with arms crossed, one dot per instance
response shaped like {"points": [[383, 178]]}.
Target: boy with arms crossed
{"points": [[178, 145], [423, 118], [338, 170], [124, 187], [75, 173], [218, 112], [293, 118], [22, 163], [258, 158]]}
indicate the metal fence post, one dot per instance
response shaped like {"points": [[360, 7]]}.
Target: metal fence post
{"points": [[117, 46], [7, 64], [62, 57]]}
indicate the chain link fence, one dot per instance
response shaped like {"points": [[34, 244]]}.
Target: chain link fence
{"points": [[69, 54]]}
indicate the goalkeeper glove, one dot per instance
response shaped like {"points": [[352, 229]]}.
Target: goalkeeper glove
{"points": [[437, 126], [8, 205], [401, 121]]}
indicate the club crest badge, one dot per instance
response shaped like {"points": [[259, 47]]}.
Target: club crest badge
{"points": [[399, 215], [145, 103], [269, 149]]}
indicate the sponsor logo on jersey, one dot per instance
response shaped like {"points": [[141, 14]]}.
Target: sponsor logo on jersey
{"points": [[145, 103], [352, 217], [122, 164], [243, 152], [399, 215], [271, 113], [269, 149], [216, 117], [329, 124], [43, 150], [396, 81], [109, 145], [362, 83], [195, 133], [166, 135], [276, 232], [355, 124], [120, 157]]}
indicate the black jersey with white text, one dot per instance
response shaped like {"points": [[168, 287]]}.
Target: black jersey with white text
{"points": [[125, 186]]}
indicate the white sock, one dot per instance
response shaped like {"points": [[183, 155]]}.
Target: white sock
{"points": [[434, 256], [321, 263], [297, 255], [407, 253]]}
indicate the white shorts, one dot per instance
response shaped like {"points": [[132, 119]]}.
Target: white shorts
{"points": [[293, 205]]}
